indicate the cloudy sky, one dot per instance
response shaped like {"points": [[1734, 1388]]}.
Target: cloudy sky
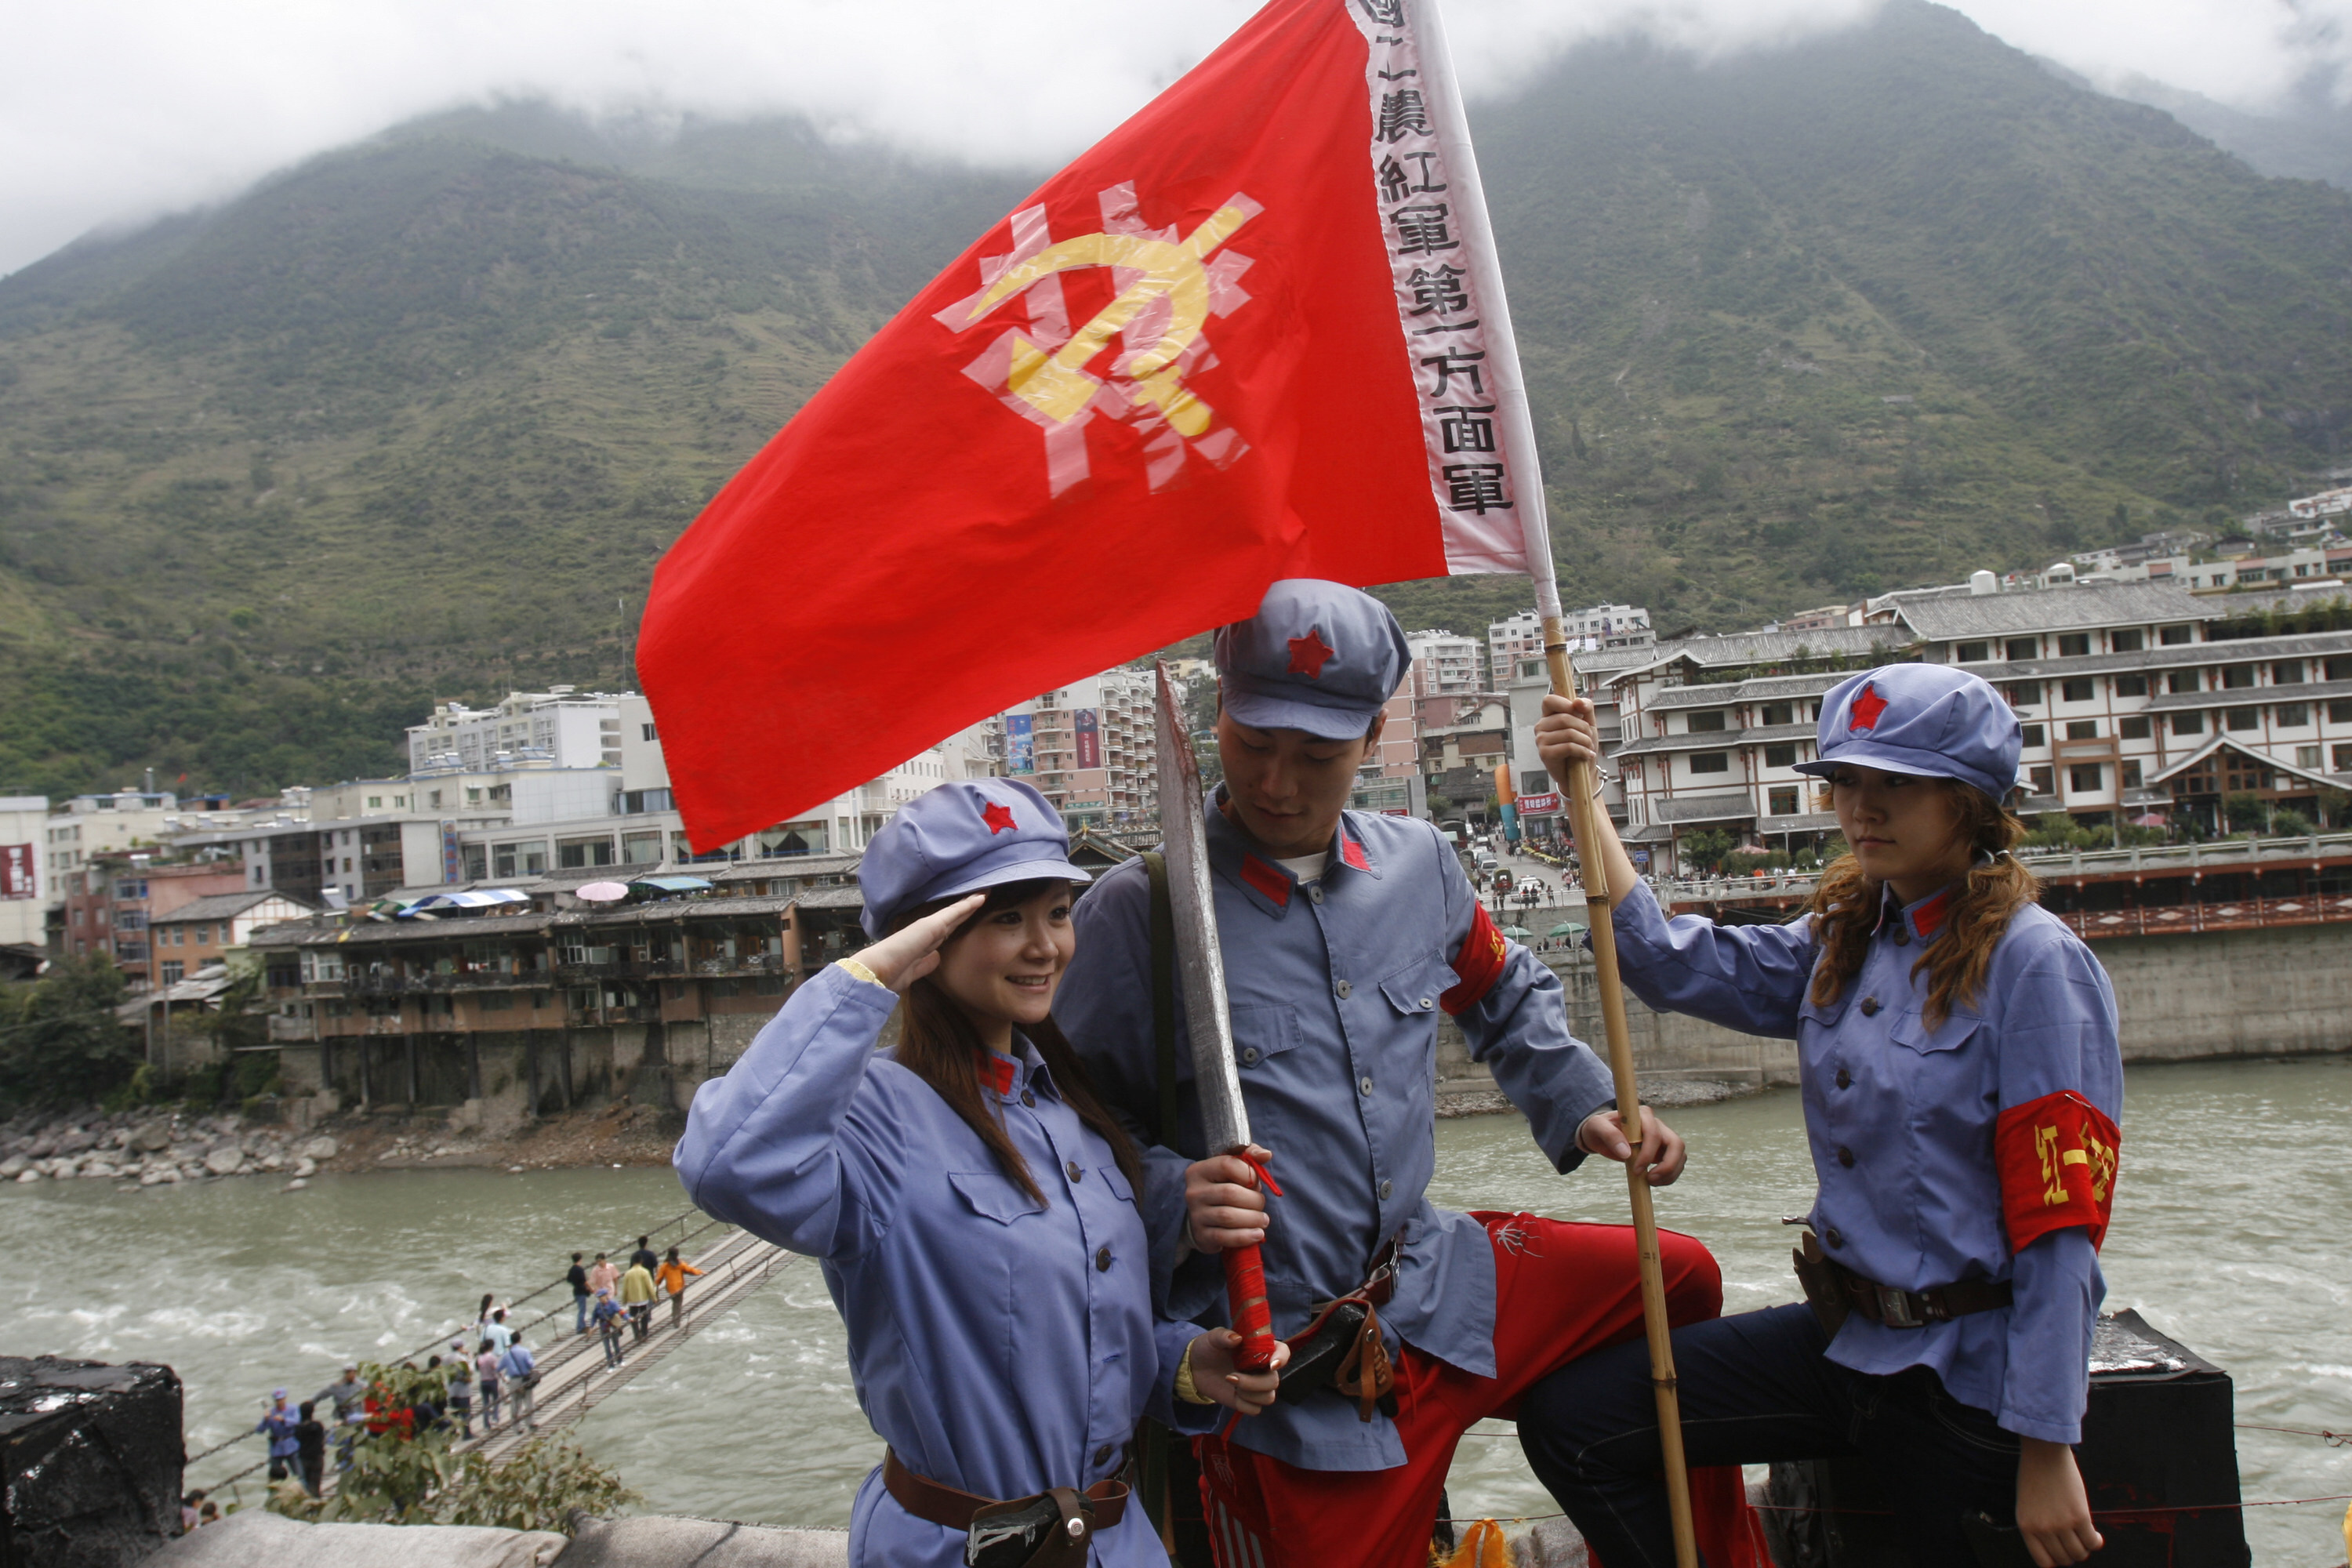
{"points": [[113, 111]]}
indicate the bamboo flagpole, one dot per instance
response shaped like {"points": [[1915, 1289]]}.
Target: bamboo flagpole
{"points": [[1515, 430]]}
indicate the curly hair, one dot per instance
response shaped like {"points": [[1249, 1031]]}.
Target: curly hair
{"points": [[1846, 903]]}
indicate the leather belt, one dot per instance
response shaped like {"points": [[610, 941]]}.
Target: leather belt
{"points": [[1916, 1308], [953, 1510]]}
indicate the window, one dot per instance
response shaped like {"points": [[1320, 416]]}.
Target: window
{"points": [[1705, 723], [2245, 717], [2024, 693], [1972, 652], [173, 970], [2081, 729], [2074, 645], [2340, 711], [2132, 775], [2306, 756], [2189, 723], [2173, 637], [647, 731], [504, 859], [2339, 668], [2086, 778], [436, 799], [494, 1001], [2130, 640], [2237, 676], [2079, 690], [1784, 800], [1710, 761], [2343, 758], [1783, 756], [2044, 782], [476, 862], [2287, 672], [2131, 685], [2181, 680], [2034, 735], [2022, 648], [374, 801], [473, 795], [2293, 715], [2135, 727], [1779, 713], [399, 803]]}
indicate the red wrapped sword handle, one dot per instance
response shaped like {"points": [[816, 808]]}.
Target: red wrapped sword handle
{"points": [[1245, 1303]]}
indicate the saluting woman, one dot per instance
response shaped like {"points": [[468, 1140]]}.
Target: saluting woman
{"points": [[1961, 1087], [971, 1202]]}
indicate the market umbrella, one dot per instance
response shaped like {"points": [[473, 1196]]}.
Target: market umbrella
{"points": [[2152, 819], [1567, 928], [1517, 933], [601, 892]]}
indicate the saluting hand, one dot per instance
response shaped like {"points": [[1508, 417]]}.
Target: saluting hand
{"points": [[1223, 1208], [1662, 1156], [905, 955], [1216, 1376]]}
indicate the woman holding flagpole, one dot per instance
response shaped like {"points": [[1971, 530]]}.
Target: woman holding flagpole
{"points": [[1962, 1081], [971, 1202]]}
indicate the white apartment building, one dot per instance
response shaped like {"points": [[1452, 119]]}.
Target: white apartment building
{"points": [[2128, 710], [562, 727], [90, 824], [25, 880], [1511, 643], [1091, 748], [1445, 664]]}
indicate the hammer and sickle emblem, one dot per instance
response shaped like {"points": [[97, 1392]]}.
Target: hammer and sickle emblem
{"points": [[1056, 385]]}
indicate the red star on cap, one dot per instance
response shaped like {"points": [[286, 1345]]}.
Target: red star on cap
{"points": [[1307, 654], [998, 818], [1866, 709]]}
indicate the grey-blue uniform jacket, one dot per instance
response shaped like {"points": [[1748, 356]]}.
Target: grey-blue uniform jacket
{"points": [[1336, 989]]}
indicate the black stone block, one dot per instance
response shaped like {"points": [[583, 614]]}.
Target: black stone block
{"points": [[92, 1457]]}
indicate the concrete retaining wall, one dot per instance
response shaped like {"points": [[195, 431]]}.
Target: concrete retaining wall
{"points": [[2180, 998]]}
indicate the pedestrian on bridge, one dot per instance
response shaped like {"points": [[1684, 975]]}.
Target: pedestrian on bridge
{"points": [[581, 1295], [605, 1317], [519, 1372], [277, 1419], [672, 1276], [604, 1274], [310, 1447], [637, 1296], [644, 1256], [486, 1373], [461, 1393], [972, 1202], [1962, 1080]]}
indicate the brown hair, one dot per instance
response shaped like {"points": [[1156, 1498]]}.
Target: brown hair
{"points": [[1846, 906], [938, 1044]]}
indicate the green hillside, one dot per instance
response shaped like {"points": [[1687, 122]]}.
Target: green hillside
{"points": [[416, 418]]}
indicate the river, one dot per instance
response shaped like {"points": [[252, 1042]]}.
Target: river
{"points": [[2230, 1235]]}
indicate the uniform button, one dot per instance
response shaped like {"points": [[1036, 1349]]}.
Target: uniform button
{"points": [[1342, 989], [1845, 1078], [1315, 892], [1388, 1190], [1249, 1056], [1076, 1175], [1427, 1004], [1365, 1084], [1903, 939], [1029, 1098], [1845, 1158], [1869, 1007], [1830, 1236], [1102, 1454], [1102, 1259]]}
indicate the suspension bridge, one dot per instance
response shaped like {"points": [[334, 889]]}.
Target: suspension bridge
{"points": [[573, 1374]]}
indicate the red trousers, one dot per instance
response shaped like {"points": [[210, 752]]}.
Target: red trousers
{"points": [[1562, 1291]]}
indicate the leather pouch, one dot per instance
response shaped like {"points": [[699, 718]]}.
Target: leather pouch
{"points": [[1050, 1529], [1342, 1350], [1824, 1291]]}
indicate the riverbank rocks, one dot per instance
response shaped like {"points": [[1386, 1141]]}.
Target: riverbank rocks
{"points": [[320, 1148], [92, 1460], [252, 1538], [650, 1541], [153, 1148], [225, 1161]]}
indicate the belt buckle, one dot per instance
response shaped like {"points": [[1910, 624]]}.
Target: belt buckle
{"points": [[1895, 1309]]}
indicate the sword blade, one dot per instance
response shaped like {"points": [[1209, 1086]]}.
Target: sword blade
{"points": [[1199, 961]]}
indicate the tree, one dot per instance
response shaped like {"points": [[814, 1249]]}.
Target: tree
{"points": [[61, 1041], [1705, 849], [2245, 812]]}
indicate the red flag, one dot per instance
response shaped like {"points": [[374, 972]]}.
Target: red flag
{"points": [[1253, 333]]}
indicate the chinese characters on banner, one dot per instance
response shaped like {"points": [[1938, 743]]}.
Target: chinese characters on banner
{"points": [[1088, 721], [1020, 744], [1439, 300], [16, 871]]}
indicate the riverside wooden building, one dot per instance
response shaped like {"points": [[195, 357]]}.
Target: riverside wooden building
{"points": [[536, 1002]]}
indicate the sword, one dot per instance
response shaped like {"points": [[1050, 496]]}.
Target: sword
{"points": [[1200, 964]]}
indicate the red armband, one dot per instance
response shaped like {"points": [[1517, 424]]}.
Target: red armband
{"points": [[1479, 964], [2057, 1157]]}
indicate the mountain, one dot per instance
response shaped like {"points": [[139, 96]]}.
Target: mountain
{"points": [[2306, 136], [416, 417]]}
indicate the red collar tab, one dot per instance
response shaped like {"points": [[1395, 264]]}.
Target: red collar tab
{"points": [[998, 1071], [1267, 879], [1928, 918], [1309, 653], [1353, 853], [1867, 706], [998, 818]]}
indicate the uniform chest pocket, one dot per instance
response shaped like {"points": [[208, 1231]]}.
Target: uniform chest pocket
{"points": [[1911, 1030], [1116, 1180], [1263, 1030], [1415, 987], [991, 1196]]}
